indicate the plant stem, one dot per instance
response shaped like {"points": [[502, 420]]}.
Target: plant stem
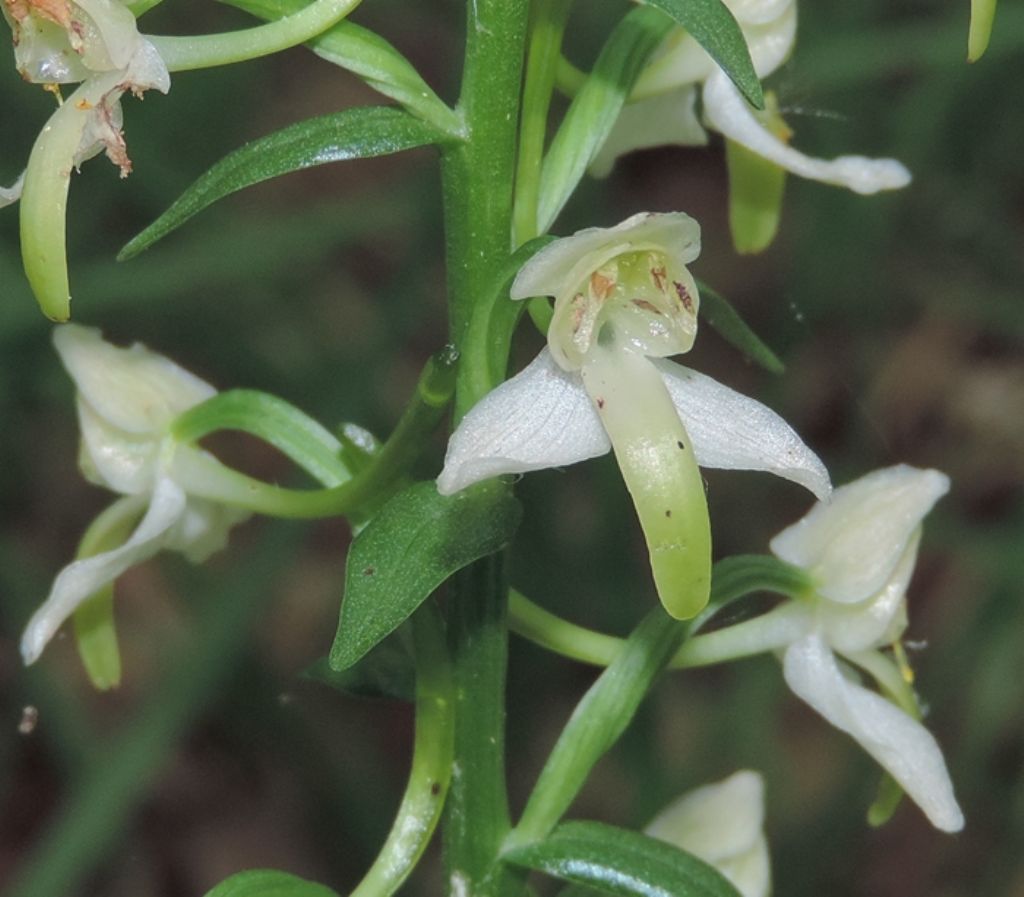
{"points": [[478, 175], [478, 179]]}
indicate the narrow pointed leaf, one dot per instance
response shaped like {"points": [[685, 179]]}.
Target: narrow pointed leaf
{"points": [[415, 542], [714, 28], [595, 108], [359, 133], [720, 314], [268, 883], [617, 861]]}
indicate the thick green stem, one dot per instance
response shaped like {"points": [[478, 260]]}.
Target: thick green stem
{"points": [[478, 181], [479, 175]]}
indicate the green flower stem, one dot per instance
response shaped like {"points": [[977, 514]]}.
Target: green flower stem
{"points": [[98, 807], [182, 54], [291, 431], [370, 57], [546, 30], [431, 770], [204, 476], [732, 578], [596, 724]]}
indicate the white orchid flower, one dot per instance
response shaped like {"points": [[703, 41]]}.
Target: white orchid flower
{"points": [[663, 111], [859, 549], [127, 400], [722, 824], [623, 301], [97, 43]]}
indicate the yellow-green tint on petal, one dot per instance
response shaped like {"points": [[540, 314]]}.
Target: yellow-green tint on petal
{"points": [[656, 458], [982, 14], [648, 297], [95, 630]]}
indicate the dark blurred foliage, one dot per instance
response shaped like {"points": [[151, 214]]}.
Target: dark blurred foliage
{"points": [[900, 318]]}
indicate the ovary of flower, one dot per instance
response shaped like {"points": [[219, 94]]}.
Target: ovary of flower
{"points": [[666, 93], [722, 824], [859, 549], [127, 399], [56, 42], [624, 300]]}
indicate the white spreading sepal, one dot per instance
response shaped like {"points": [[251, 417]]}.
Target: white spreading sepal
{"points": [[722, 824], [543, 417], [731, 431], [540, 418], [12, 194], [727, 112], [901, 745]]}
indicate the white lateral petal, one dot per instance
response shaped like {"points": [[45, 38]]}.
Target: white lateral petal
{"points": [[727, 112], [134, 389], [759, 12], [852, 544], [734, 432], [901, 745], [540, 418], [750, 872], [561, 266], [81, 579], [667, 119]]}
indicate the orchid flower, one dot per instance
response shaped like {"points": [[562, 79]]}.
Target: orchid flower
{"points": [[722, 824], [623, 301], [127, 400], [97, 43], [663, 111], [859, 550]]}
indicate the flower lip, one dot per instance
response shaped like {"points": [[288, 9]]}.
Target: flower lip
{"points": [[853, 543]]}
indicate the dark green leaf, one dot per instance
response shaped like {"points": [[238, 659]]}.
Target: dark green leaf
{"points": [[596, 107], [416, 541], [715, 29], [717, 311], [618, 861], [368, 55], [268, 883], [386, 671], [351, 134]]}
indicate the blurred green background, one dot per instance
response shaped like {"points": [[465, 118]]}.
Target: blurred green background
{"points": [[900, 319]]}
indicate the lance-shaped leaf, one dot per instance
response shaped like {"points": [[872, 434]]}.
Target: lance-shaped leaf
{"points": [[593, 112], [618, 861], [416, 541], [714, 28], [359, 133], [720, 314], [268, 883]]}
